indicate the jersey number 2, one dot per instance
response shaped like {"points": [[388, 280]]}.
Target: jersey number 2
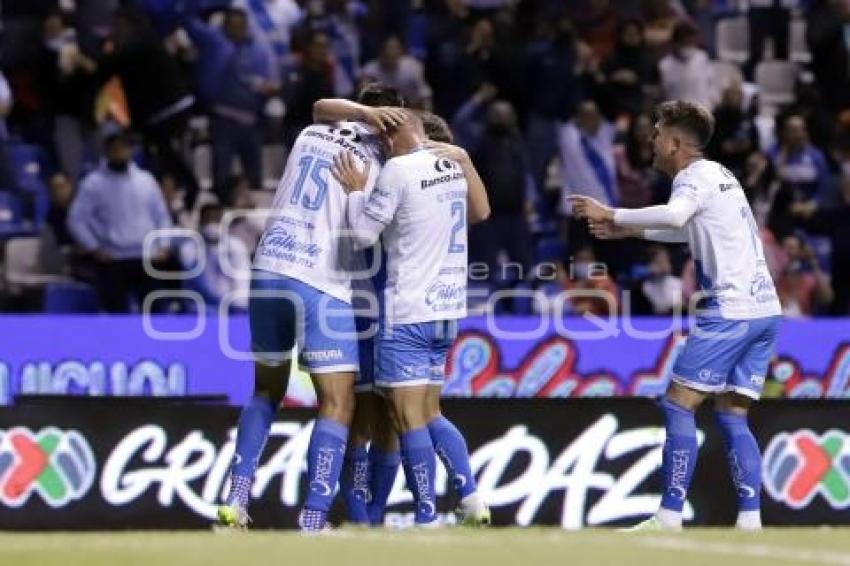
{"points": [[312, 166], [459, 211]]}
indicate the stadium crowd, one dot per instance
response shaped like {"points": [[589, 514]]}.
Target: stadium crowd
{"points": [[121, 117]]}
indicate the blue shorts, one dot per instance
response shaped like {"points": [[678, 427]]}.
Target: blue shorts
{"points": [[727, 355], [285, 312], [413, 354], [366, 332]]}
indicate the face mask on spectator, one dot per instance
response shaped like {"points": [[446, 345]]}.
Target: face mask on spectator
{"points": [[118, 166], [210, 232]]}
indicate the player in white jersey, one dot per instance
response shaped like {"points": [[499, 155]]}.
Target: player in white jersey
{"points": [[728, 352], [419, 203], [301, 294]]}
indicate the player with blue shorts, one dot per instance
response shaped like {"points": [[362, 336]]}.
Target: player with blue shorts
{"points": [[301, 296], [727, 352], [419, 203], [373, 459]]}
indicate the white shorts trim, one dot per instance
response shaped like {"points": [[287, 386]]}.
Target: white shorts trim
{"points": [[397, 384], [716, 389], [354, 368]]}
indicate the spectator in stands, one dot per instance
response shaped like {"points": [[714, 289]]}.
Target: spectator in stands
{"points": [[685, 73], [447, 45], [803, 288], [401, 71], [661, 18], [637, 179], [833, 222], [769, 19], [801, 167], [171, 193], [498, 153], [627, 70], [660, 292], [238, 75], [272, 22], [554, 92], [592, 290], [761, 185], [598, 25], [116, 206], [587, 164], [735, 135], [157, 93], [826, 36], [249, 224], [227, 263], [310, 80], [7, 176], [61, 195], [67, 83]]}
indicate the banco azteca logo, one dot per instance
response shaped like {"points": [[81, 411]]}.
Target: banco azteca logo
{"points": [[58, 465], [444, 164], [800, 465]]}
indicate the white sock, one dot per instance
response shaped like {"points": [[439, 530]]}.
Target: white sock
{"points": [[669, 519], [749, 520], [472, 503]]}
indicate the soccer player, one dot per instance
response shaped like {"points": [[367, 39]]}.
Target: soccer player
{"points": [[727, 353], [301, 294], [420, 204], [368, 476]]}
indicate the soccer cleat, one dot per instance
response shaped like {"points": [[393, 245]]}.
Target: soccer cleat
{"points": [[650, 525], [479, 517], [233, 516]]}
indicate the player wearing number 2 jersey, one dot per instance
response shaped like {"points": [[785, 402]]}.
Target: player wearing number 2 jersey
{"points": [[301, 294], [728, 350]]}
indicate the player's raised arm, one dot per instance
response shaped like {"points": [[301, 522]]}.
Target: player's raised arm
{"points": [[478, 204], [671, 216], [339, 109]]}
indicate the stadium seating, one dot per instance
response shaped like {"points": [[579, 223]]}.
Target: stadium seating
{"points": [[22, 267], [733, 40], [776, 81], [69, 298]]}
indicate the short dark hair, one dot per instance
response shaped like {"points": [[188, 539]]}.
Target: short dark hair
{"points": [[689, 117], [208, 209], [435, 127], [379, 94]]}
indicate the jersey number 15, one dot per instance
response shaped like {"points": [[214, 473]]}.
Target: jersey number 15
{"points": [[314, 167]]}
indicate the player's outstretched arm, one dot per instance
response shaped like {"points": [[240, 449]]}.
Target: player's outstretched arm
{"points": [[671, 216], [478, 204], [364, 229], [340, 109]]}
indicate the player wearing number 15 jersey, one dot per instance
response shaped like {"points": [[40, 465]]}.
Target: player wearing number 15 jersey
{"points": [[301, 294], [728, 349]]}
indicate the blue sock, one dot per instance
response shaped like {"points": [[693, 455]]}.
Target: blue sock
{"points": [[450, 446], [679, 456], [251, 435], [383, 469], [420, 466], [324, 463], [354, 484], [744, 460]]}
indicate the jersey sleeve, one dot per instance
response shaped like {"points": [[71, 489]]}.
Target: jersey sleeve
{"points": [[688, 187], [387, 194]]}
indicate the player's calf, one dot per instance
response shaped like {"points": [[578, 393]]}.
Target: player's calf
{"points": [[744, 458]]}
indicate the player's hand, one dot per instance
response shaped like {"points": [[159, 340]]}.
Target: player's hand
{"points": [[385, 117], [447, 151], [590, 209], [345, 171]]}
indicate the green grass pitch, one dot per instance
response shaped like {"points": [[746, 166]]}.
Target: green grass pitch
{"points": [[350, 547]]}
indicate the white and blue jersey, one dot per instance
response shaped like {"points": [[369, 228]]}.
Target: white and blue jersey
{"points": [[730, 346], [301, 285], [419, 203]]}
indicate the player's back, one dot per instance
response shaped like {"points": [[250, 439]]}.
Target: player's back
{"points": [[305, 234], [724, 240], [426, 243]]}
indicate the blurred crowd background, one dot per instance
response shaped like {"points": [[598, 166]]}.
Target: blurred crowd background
{"points": [[121, 117]]}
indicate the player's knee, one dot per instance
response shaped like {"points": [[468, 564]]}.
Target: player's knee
{"points": [[339, 406]]}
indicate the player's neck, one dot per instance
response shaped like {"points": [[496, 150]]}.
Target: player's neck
{"points": [[684, 163], [403, 145]]}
